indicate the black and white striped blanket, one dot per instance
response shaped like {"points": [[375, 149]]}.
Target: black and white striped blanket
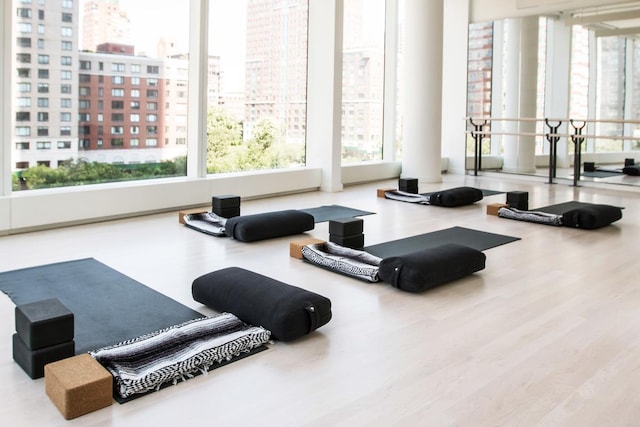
{"points": [[404, 196], [206, 222], [178, 353], [530, 216], [352, 262]]}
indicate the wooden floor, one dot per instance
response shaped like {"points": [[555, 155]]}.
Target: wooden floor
{"points": [[547, 335]]}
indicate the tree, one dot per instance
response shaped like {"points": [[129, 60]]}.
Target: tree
{"points": [[223, 133]]}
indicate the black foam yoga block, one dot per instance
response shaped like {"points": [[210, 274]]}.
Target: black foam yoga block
{"points": [[427, 268], [287, 311], [346, 226], [225, 201], [33, 361], [43, 323], [249, 228], [227, 212], [355, 241], [517, 197]]}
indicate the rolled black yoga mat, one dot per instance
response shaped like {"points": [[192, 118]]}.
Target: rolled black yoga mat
{"points": [[475, 239]]}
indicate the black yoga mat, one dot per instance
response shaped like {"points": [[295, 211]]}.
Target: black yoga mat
{"points": [[108, 307], [476, 239], [332, 212], [600, 174]]}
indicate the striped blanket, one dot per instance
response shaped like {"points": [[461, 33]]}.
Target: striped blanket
{"points": [[530, 216], [178, 352], [351, 262]]}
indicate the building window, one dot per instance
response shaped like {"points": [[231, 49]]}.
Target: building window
{"points": [[135, 68], [24, 87], [43, 116], [134, 130], [65, 75], [117, 130], [43, 145], [135, 93], [24, 27], [23, 42], [117, 92], [117, 67], [24, 72], [117, 142], [85, 65], [117, 80], [152, 130], [43, 87], [66, 32], [23, 131], [23, 102], [65, 60], [84, 104], [65, 131], [117, 105], [134, 142], [65, 117], [24, 58], [134, 117], [153, 69], [152, 106], [66, 45], [151, 142], [117, 117], [22, 145], [24, 13], [152, 93], [135, 105], [43, 59], [43, 102], [65, 88], [135, 81], [84, 117], [43, 74], [40, 43], [43, 131], [84, 91], [23, 116], [84, 78], [65, 102], [152, 118], [152, 82], [67, 17], [64, 145]]}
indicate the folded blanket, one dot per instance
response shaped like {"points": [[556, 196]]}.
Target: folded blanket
{"points": [[176, 353], [351, 262], [530, 216], [206, 222], [453, 197]]}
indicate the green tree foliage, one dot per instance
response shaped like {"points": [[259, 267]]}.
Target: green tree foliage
{"points": [[81, 172]]}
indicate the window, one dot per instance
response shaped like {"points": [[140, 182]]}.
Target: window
{"points": [[117, 67], [23, 42], [65, 102], [135, 81], [152, 130], [24, 27], [43, 87], [84, 78], [151, 142], [43, 145], [24, 87], [43, 131], [43, 74], [117, 105], [152, 82], [117, 142], [135, 68], [40, 43], [134, 117], [65, 60], [43, 116], [65, 88], [117, 80], [134, 142], [84, 91], [153, 69], [24, 58], [66, 45], [135, 105], [84, 117], [43, 59], [65, 117], [135, 93], [24, 13], [41, 30], [85, 65], [65, 75], [117, 117], [43, 102], [65, 131], [117, 92], [67, 17], [100, 117], [134, 130], [23, 116], [67, 4], [22, 145], [24, 72], [152, 118], [66, 32], [41, 14], [152, 106], [23, 131], [63, 145], [117, 130], [23, 102], [152, 93], [84, 104]]}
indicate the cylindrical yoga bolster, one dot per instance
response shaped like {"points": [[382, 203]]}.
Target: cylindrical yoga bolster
{"points": [[453, 197], [427, 268], [287, 311], [591, 216], [249, 228]]}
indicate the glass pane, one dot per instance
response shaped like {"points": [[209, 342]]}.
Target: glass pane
{"points": [[95, 50], [610, 92], [257, 85], [362, 80]]}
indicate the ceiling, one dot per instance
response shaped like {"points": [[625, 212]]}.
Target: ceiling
{"points": [[611, 20]]}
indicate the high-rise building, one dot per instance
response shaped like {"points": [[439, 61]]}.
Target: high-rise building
{"points": [[104, 22], [46, 104]]}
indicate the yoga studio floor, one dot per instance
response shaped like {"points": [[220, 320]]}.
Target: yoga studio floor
{"points": [[547, 335]]}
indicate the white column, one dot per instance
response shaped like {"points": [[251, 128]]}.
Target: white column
{"points": [[558, 77], [422, 90], [521, 92], [6, 98], [324, 91]]}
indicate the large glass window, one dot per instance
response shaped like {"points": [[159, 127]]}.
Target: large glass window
{"points": [[257, 80], [362, 80]]}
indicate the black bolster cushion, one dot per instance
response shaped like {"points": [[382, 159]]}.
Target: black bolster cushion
{"points": [[631, 170], [287, 311], [427, 268], [591, 216], [249, 228], [453, 197]]}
